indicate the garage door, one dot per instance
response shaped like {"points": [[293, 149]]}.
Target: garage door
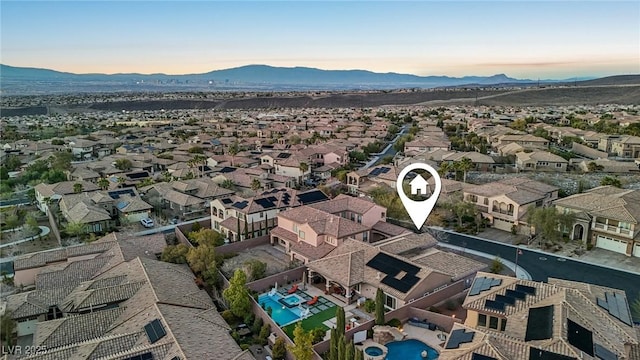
{"points": [[636, 250], [608, 243]]}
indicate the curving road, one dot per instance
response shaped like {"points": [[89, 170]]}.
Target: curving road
{"points": [[542, 265]]}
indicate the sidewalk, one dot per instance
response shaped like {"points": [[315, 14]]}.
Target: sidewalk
{"points": [[594, 256]]}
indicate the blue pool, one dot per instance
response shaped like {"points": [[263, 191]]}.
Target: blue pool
{"points": [[292, 300], [282, 315], [409, 350]]}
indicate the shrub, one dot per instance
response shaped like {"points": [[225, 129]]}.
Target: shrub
{"points": [[589, 246], [228, 316], [434, 309], [369, 306], [394, 322], [450, 305]]}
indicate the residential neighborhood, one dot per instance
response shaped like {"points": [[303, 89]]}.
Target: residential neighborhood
{"points": [[270, 233]]}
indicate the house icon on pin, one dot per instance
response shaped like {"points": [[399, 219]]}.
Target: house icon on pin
{"points": [[418, 186]]}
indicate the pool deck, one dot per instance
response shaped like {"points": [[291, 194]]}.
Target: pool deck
{"points": [[429, 337]]}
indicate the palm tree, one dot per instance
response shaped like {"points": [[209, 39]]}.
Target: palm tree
{"points": [[303, 167], [227, 184], [445, 168], [465, 164], [103, 183], [77, 188], [121, 181], [233, 150], [255, 184], [197, 160]]}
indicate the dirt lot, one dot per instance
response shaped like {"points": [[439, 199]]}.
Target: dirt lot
{"points": [[276, 261]]}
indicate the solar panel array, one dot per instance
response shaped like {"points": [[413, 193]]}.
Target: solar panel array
{"points": [[603, 353], [241, 204], [476, 356], [138, 175], [380, 170], [580, 337], [226, 201], [539, 323], [459, 336], [526, 289], [494, 305], [482, 283], [617, 307], [539, 354], [155, 331], [283, 155], [391, 267], [145, 356], [115, 194], [312, 196], [266, 203]]}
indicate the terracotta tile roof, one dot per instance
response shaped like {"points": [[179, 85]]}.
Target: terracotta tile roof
{"points": [[309, 251], [452, 264], [389, 229], [322, 222], [607, 202]]}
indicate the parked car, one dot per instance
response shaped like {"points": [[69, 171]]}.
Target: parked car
{"points": [[174, 221], [146, 222]]}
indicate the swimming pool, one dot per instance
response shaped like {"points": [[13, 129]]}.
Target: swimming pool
{"points": [[409, 350], [281, 314]]}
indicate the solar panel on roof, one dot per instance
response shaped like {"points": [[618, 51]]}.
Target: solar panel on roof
{"points": [[226, 201], [391, 265], [155, 331], [476, 356], [138, 175], [540, 323], [145, 356], [404, 284], [241, 205], [526, 289], [115, 194], [506, 299], [515, 294], [284, 155], [579, 337], [617, 306], [494, 305], [603, 353], [375, 172], [384, 170], [459, 336], [272, 198], [312, 196], [265, 203], [482, 283], [539, 354]]}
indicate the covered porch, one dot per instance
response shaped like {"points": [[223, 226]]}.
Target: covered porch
{"points": [[346, 295]]}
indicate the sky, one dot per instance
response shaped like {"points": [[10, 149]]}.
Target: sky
{"points": [[523, 39]]}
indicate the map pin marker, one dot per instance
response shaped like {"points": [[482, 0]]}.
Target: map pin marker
{"points": [[419, 210]]}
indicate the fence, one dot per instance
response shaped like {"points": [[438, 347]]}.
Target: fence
{"points": [[405, 312], [243, 245], [289, 276]]}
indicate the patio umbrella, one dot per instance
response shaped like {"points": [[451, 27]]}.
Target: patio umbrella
{"points": [[276, 286], [304, 280]]}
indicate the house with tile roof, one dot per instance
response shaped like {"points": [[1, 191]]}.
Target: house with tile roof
{"points": [[540, 161], [405, 267], [45, 193], [310, 232], [124, 308], [527, 141], [506, 202], [240, 218], [509, 318], [606, 217], [364, 180]]}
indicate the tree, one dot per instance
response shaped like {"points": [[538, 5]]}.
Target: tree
{"points": [[295, 140], [549, 223], [341, 347], [12, 162], [350, 351], [61, 160], [4, 173], [333, 345], [202, 258], [103, 183], [176, 254], [359, 355], [317, 335], [460, 208], [206, 236], [611, 180], [77, 188], [340, 321], [195, 150], [256, 269], [465, 164], [31, 221], [227, 184], [593, 167], [123, 164], [233, 150], [380, 307], [7, 329], [121, 181], [237, 295], [357, 155], [279, 350], [75, 229], [302, 348], [304, 167], [12, 221], [255, 184], [265, 330], [445, 168], [496, 266]]}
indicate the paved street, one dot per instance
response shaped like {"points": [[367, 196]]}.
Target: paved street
{"points": [[543, 265]]}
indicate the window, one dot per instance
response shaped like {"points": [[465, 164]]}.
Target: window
{"points": [[359, 219], [295, 228], [365, 237], [382, 216], [261, 214], [493, 322], [624, 225], [482, 320], [503, 324], [301, 234], [558, 165], [486, 201], [472, 198], [390, 301]]}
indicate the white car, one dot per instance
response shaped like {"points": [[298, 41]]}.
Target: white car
{"points": [[148, 223]]}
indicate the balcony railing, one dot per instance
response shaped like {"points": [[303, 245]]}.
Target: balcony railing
{"points": [[612, 229]]}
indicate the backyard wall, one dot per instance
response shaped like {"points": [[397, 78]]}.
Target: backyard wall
{"points": [[54, 227], [265, 284], [445, 322]]}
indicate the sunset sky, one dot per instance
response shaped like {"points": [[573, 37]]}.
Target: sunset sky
{"points": [[537, 39]]}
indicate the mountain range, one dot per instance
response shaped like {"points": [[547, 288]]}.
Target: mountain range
{"points": [[247, 77]]}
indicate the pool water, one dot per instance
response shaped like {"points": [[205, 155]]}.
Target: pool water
{"points": [[409, 350], [373, 351], [278, 314], [292, 300]]}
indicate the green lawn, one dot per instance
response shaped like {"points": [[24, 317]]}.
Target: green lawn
{"points": [[312, 322]]}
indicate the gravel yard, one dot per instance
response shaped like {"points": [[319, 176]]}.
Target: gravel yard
{"points": [[276, 261]]}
